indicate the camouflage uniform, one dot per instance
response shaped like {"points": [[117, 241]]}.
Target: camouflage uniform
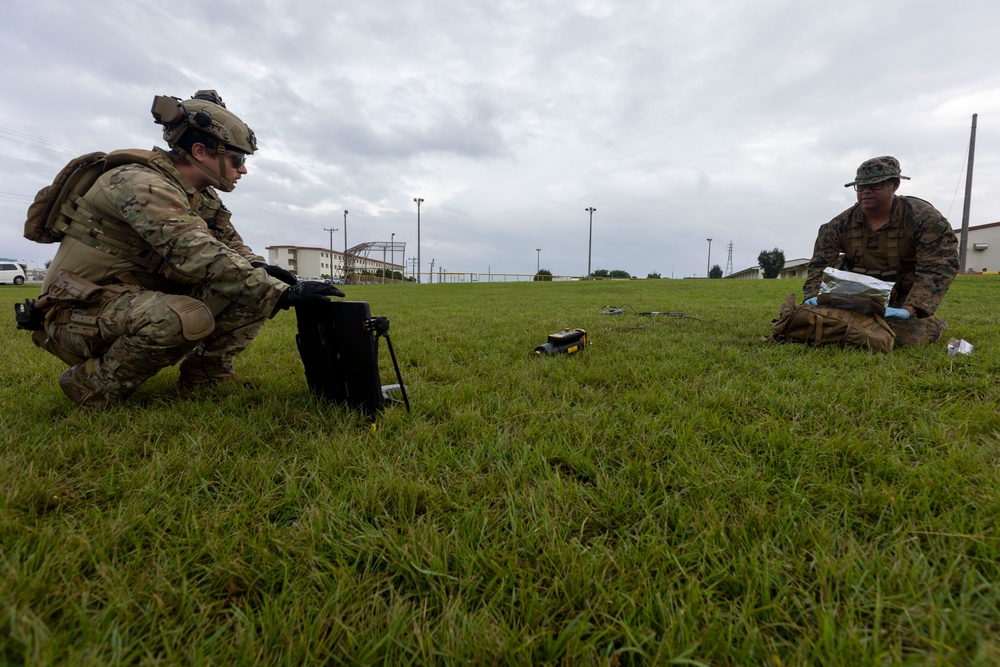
{"points": [[918, 239], [185, 272]]}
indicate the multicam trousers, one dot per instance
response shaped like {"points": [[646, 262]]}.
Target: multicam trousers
{"points": [[134, 333]]}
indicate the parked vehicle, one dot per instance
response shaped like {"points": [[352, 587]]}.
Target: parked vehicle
{"points": [[11, 273]]}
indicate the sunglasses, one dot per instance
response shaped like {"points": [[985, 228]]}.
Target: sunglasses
{"points": [[869, 186], [238, 159]]}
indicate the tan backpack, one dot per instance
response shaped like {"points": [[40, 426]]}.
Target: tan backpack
{"points": [[52, 211], [826, 325]]}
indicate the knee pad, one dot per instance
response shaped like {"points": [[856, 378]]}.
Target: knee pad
{"points": [[196, 319]]}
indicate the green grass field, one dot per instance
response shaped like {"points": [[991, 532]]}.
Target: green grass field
{"points": [[680, 493]]}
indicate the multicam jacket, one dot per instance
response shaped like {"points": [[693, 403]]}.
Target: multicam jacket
{"points": [[164, 235], [917, 250]]}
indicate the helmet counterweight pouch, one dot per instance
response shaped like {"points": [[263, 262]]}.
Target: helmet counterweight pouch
{"points": [[338, 343]]}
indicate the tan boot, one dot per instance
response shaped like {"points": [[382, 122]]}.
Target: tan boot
{"points": [[74, 385]]}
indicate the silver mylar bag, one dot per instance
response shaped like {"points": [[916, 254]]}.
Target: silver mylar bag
{"points": [[854, 291]]}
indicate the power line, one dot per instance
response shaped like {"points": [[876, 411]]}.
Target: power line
{"points": [[37, 142]]}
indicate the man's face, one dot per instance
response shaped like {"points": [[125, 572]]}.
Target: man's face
{"points": [[874, 200], [236, 165]]}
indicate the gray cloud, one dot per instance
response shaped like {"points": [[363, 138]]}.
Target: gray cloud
{"points": [[678, 121]]}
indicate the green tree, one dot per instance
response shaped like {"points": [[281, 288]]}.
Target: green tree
{"points": [[600, 273], [771, 262], [543, 274], [618, 273], [716, 272], [653, 275]]}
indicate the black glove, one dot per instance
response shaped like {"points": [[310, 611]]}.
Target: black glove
{"points": [[309, 290], [276, 272]]}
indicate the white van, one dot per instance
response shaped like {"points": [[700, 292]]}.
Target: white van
{"points": [[11, 273]]}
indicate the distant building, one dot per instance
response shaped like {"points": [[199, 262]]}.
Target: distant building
{"points": [[983, 248], [319, 262], [794, 268]]}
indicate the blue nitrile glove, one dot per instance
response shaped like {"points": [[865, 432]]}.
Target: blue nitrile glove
{"points": [[810, 302], [897, 314]]}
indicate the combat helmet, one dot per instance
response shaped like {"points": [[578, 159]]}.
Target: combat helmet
{"points": [[205, 111]]}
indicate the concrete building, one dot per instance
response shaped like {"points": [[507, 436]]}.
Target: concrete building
{"points": [[794, 268], [310, 262], [983, 251]]}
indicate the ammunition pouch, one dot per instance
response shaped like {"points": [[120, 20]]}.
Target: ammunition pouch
{"points": [[75, 303], [825, 325]]}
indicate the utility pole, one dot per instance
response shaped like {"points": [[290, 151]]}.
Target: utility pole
{"points": [[729, 262], [419, 202], [590, 237], [963, 244], [345, 246], [392, 249], [331, 230], [708, 267], [538, 260]]}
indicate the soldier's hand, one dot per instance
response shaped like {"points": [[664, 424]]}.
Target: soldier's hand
{"points": [[309, 290], [810, 302], [276, 272]]}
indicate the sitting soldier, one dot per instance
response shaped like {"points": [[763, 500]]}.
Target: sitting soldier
{"points": [[897, 239]]}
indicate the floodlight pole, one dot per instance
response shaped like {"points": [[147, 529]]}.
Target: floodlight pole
{"points": [[419, 202], [590, 237], [708, 270], [538, 262], [345, 246], [331, 230]]}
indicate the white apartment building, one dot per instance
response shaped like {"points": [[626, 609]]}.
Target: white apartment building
{"points": [[307, 261]]}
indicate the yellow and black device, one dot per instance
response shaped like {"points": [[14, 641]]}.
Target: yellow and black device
{"points": [[566, 341]]}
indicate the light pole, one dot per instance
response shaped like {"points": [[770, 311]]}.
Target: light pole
{"points": [[331, 230], [345, 246], [419, 202], [708, 269], [590, 236], [392, 250], [538, 262]]}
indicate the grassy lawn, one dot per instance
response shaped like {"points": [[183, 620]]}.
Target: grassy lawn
{"points": [[680, 493]]}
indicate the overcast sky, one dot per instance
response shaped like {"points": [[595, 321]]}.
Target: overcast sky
{"points": [[679, 121]]}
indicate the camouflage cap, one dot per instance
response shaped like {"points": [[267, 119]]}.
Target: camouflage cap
{"points": [[876, 170]]}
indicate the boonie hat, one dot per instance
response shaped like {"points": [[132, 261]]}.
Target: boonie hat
{"points": [[876, 170]]}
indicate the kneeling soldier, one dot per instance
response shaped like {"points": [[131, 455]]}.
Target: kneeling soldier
{"points": [[149, 270]]}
